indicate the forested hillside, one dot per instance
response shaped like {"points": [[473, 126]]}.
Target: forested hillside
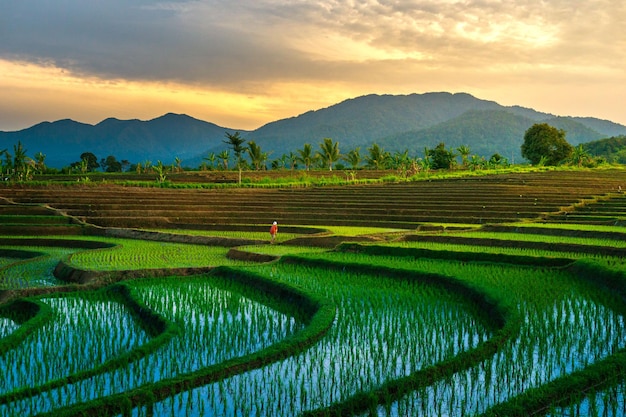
{"points": [[613, 149], [394, 122]]}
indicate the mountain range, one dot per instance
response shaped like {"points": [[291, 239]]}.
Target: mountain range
{"points": [[395, 122]]}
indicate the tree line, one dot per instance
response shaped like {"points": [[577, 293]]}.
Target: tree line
{"points": [[543, 145]]}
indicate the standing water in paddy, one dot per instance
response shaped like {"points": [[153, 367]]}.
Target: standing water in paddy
{"points": [[567, 325], [85, 331], [385, 329], [7, 326], [214, 324]]}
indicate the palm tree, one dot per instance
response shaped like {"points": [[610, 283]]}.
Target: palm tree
{"points": [[257, 157], [235, 141], [464, 151], [404, 164], [211, 159], [293, 160], [7, 163], [224, 156], [19, 161], [329, 152], [378, 158], [305, 155], [40, 165], [178, 163], [353, 158]]}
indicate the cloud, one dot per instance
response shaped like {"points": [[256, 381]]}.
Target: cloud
{"points": [[249, 47], [224, 41]]}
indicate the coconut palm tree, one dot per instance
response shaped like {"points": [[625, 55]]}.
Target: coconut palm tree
{"points": [[257, 157], [224, 156], [305, 155], [21, 162], [40, 165], [353, 158], [329, 152], [210, 159], [293, 160], [378, 158], [235, 141]]}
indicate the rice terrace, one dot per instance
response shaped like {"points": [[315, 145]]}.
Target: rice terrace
{"points": [[500, 294]]}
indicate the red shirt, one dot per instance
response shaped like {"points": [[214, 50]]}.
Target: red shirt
{"points": [[273, 229]]}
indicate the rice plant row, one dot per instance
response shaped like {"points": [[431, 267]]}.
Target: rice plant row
{"points": [[138, 254], [386, 329], [549, 239], [561, 314], [36, 271], [85, 331], [213, 324], [567, 325]]}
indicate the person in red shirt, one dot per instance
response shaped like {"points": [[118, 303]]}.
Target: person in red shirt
{"points": [[273, 231]]}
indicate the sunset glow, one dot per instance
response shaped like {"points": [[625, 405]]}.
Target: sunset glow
{"points": [[247, 63]]}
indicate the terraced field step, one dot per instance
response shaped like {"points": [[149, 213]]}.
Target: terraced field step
{"points": [[476, 200], [28, 219], [22, 219], [521, 244], [40, 230]]}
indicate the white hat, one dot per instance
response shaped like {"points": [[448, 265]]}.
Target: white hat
{"points": [[275, 223]]}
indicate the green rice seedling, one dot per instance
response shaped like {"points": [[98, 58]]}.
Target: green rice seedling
{"points": [[215, 323], [280, 250], [33, 272], [137, 254], [230, 234], [568, 325], [385, 329], [86, 330], [542, 238], [469, 248], [359, 231], [573, 226], [609, 402], [7, 326], [5, 260]]}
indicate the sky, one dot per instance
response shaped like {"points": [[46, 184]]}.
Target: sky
{"points": [[244, 63]]}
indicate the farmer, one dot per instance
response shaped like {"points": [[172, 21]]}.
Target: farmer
{"points": [[273, 231]]}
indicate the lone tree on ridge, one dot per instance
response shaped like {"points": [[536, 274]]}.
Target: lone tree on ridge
{"points": [[544, 141]]}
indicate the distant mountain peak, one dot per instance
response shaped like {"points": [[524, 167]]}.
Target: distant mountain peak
{"points": [[395, 122]]}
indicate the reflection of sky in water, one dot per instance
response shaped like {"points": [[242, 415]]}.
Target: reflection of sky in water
{"points": [[610, 402], [82, 334], [7, 326], [385, 334], [215, 325], [574, 333]]}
